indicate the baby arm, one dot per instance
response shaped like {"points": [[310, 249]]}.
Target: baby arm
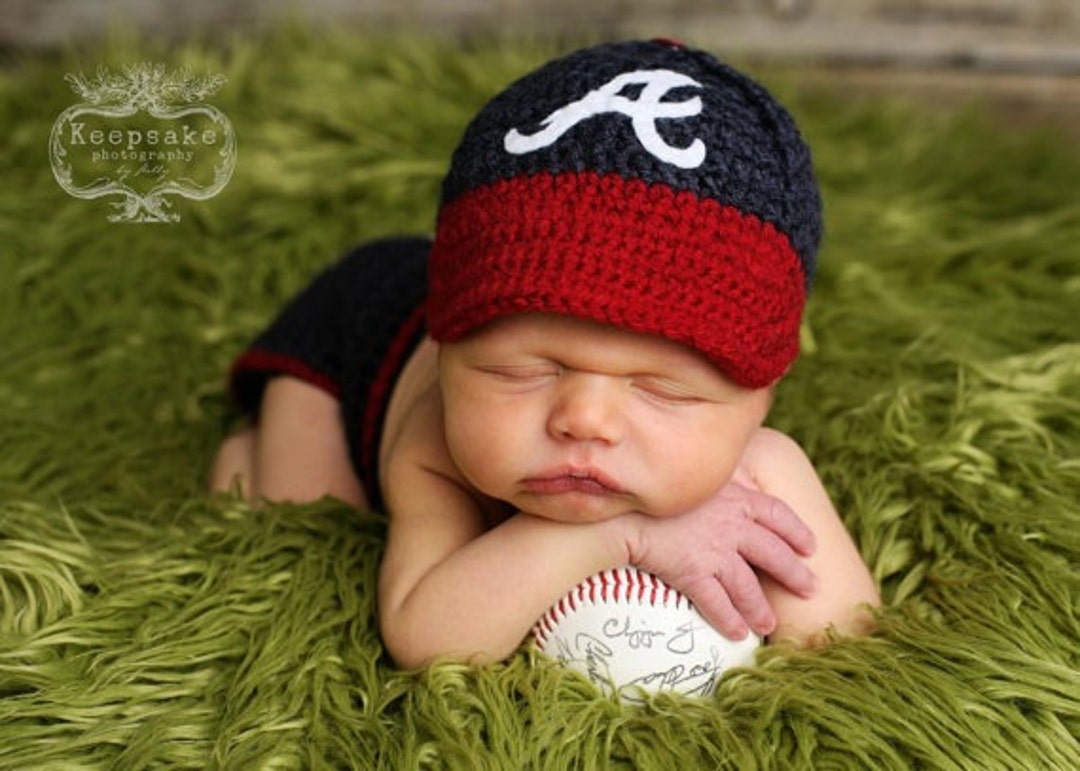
{"points": [[733, 554], [846, 588], [450, 587]]}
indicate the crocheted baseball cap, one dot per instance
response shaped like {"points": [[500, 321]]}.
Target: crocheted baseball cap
{"points": [[640, 184]]}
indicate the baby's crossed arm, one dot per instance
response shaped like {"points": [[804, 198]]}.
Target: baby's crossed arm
{"points": [[451, 587], [707, 555]]}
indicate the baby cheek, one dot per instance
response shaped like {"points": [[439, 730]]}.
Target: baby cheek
{"points": [[483, 448], [693, 473]]}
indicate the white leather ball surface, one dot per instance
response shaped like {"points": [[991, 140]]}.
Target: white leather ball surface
{"points": [[626, 629]]}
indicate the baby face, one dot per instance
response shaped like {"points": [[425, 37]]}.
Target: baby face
{"points": [[577, 421]]}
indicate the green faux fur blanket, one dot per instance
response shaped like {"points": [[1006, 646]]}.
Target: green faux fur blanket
{"points": [[144, 623]]}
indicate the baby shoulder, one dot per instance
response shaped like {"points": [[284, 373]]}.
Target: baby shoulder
{"points": [[776, 462], [769, 447]]}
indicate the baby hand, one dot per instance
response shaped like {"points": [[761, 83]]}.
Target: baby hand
{"points": [[710, 553]]}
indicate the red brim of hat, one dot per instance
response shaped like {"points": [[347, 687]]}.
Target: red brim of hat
{"points": [[620, 251]]}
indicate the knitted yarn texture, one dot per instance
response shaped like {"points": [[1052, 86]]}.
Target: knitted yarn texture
{"points": [[640, 184]]}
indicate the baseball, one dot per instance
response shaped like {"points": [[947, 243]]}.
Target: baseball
{"points": [[628, 630]]}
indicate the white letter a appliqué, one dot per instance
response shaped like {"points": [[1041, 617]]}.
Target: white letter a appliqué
{"points": [[643, 113]]}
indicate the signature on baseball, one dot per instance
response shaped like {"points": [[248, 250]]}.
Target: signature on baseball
{"points": [[696, 673], [681, 640]]}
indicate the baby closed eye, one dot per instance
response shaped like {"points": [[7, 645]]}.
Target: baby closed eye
{"points": [[520, 373], [667, 392]]}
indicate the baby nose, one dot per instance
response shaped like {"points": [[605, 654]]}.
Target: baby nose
{"points": [[586, 409]]}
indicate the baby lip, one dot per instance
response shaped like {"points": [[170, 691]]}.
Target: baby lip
{"points": [[573, 479]]}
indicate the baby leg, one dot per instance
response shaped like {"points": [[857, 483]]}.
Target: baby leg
{"points": [[234, 463], [296, 452]]}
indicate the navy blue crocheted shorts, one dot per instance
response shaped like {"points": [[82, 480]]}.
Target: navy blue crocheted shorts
{"points": [[350, 333]]}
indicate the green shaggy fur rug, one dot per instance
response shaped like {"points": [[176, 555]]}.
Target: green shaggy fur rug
{"points": [[144, 623]]}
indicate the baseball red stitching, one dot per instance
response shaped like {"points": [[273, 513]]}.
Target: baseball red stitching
{"points": [[620, 585]]}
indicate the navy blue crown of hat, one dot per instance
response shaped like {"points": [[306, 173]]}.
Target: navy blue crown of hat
{"points": [[749, 152]]}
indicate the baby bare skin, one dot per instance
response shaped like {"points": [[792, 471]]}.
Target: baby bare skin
{"points": [[543, 449]]}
